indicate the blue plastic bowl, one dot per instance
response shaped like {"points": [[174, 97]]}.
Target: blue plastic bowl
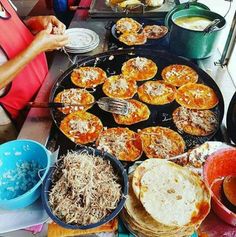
{"points": [[21, 160], [118, 167]]}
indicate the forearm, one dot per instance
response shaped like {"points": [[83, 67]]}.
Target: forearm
{"points": [[43, 41], [11, 68]]}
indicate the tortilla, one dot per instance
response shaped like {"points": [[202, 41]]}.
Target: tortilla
{"points": [[140, 221], [156, 92], [81, 127], [136, 211], [178, 75], [139, 68], [74, 96], [123, 143], [142, 232], [127, 25], [88, 77], [119, 86], [169, 189], [133, 38], [196, 96], [138, 174], [155, 31], [195, 122], [137, 112], [161, 142]]}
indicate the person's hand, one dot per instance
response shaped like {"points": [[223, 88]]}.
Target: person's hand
{"points": [[39, 23], [45, 41]]}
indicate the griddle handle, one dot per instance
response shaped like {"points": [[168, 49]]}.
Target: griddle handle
{"points": [[36, 104]]}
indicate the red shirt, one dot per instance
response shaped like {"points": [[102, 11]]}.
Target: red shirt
{"points": [[14, 38]]}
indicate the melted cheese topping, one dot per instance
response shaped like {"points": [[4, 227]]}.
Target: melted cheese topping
{"points": [[131, 38], [140, 63], [154, 30], [156, 90], [161, 145], [177, 74], [198, 118], [126, 26], [88, 75], [197, 93], [80, 126], [131, 108], [71, 96], [114, 143], [119, 84]]}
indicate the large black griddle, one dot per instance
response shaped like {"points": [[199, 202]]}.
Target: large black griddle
{"points": [[231, 119], [111, 62]]}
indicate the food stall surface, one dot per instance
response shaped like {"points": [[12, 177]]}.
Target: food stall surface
{"points": [[38, 125]]}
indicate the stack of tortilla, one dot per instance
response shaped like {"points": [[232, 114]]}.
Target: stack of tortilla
{"points": [[165, 199]]}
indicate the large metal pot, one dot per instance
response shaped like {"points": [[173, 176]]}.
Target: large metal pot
{"points": [[192, 43]]}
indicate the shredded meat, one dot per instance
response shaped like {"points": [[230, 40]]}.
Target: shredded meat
{"points": [[88, 189]]}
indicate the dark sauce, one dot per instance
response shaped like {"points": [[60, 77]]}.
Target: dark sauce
{"points": [[226, 202]]}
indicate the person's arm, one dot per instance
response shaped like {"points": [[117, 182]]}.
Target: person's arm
{"points": [[44, 41]]}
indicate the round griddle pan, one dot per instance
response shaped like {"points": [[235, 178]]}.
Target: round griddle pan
{"points": [[111, 62]]}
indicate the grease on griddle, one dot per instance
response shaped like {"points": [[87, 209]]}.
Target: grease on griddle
{"points": [[111, 57], [166, 117]]}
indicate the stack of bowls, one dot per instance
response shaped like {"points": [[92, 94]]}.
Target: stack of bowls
{"points": [[81, 40]]}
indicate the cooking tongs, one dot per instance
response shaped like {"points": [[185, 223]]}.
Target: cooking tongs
{"points": [[212, 26], [116, 106]]}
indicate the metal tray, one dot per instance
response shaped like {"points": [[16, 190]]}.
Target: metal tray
{"points": [[111, 62], [99, 9]]}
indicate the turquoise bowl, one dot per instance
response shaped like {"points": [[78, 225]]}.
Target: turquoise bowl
{"points": [[23, 166]]}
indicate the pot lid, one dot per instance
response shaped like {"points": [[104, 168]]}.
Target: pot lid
{"points": [[188, 5], [231, 119]]}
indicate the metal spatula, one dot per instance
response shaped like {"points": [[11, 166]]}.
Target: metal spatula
{"points": [[116, 106]]}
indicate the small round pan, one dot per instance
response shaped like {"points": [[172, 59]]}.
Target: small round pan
{"points": [[161, 115], [150, 42]]}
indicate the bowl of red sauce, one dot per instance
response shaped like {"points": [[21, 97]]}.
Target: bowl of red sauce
{"points": [[219, 169]]}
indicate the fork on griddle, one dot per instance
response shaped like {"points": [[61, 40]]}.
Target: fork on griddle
{"points": [[116, 106]]}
